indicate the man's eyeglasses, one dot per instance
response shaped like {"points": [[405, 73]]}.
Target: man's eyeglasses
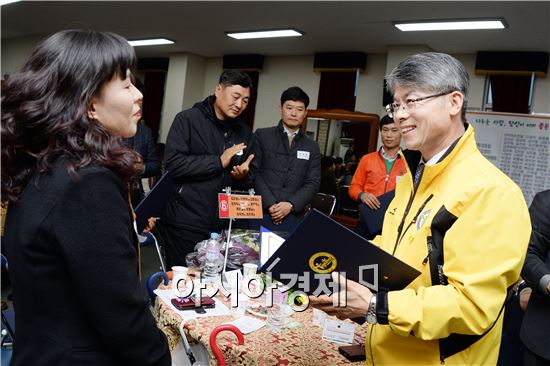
{"points": [[410, 104]]}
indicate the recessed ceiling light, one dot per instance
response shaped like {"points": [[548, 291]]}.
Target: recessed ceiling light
{"points": [[432, 25], [273, 33], [150, 42], [4, 2]]}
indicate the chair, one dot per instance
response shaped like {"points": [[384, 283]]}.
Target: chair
{"points": [[146, 239], [184, 354], [153, 282], [346, 206], [7, 328], [324, 203]]}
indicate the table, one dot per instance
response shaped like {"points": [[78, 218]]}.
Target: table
{"points": [[303, 346]]}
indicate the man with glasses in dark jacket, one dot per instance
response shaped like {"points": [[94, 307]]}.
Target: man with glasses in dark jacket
{"points": [[208, 148], [287, 164]]}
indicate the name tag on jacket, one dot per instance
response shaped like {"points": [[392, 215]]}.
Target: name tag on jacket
{"points": [[303, 155]]}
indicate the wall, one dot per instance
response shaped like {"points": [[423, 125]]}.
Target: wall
{"points": [[333, 140], [541, 104], [278, 74], [173, 93], [477, 82], [212, 72], [282, 72], [184, 87], [15, 52], [198, 77], [370, 86]]}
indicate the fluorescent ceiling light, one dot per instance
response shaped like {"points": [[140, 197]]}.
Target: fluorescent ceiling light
{"points": [[150, 42], [4, 2], [265, 34], [433, 25]]}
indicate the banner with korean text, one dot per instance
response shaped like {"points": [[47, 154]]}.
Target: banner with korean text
{"points": [[518, 144]]}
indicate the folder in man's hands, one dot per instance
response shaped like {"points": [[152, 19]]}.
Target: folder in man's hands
{"points": [[375, 218], [319, 245]]}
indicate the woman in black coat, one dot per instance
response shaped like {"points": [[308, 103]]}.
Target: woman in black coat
{"points": [[535, 298], [68, 237]]}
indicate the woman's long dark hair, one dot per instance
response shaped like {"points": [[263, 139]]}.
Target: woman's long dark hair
{"points": [[44, 109]]}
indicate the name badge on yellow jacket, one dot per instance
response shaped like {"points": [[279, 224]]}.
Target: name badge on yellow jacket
{"points": [[303, 155]]}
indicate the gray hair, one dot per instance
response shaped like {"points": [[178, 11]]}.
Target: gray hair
{"points": [[433, 72]]}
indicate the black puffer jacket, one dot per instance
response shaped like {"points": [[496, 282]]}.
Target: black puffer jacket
{"points": [[284, 173], [193, 148]]}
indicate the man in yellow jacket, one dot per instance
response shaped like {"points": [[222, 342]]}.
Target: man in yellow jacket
{"points": [[462, 223]]}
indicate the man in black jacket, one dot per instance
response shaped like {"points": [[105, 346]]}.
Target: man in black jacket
{"points": [[208, 148], [287, 167]]}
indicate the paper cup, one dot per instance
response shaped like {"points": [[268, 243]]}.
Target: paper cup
{"points": [[179, 280], [249, 269]]}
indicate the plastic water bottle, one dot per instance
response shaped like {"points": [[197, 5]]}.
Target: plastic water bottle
{"points": [[213, 263]]}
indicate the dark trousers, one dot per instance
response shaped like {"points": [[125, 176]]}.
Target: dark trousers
{"points": [[178, 242], [511, 347], [286, 227]]}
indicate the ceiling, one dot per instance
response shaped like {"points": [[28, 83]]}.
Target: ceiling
{"points": [[329, 26]]}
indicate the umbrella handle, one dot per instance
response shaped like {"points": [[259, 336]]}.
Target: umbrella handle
{"points": [[215, 349]]}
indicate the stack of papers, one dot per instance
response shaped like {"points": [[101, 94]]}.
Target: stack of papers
{"points": [[247, 324]]}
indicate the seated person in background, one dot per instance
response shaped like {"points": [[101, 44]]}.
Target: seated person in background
{"points": [[378, 172], [328, 180], [339, 168], [535, 298], [69, 240], [287, 164], [348, 176], [350, 153]]}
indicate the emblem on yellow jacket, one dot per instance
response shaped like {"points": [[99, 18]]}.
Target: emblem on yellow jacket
{"points": [[422, 218]]}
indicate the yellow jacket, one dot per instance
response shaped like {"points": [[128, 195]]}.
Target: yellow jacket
{"points": [[479, 218]]}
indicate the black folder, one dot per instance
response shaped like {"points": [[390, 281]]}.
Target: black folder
{"points": [[320, 242], [155, 200], [375, 218]]}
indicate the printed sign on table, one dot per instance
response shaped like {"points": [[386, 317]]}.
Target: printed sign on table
{"points": [[239, 206]]}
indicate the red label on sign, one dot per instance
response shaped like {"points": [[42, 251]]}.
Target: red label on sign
{"points": [[239, 206], [223, 205]]}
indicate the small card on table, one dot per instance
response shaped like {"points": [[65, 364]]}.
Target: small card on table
{"points": [[338, 331]]}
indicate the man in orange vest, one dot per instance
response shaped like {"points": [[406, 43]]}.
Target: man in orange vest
{"points": [[378, 172]]}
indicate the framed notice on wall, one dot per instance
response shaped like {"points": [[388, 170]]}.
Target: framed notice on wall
{"points": [[519, 144]]}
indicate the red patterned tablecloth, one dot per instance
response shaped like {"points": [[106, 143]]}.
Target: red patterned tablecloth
{"points": [[303, 346]]}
